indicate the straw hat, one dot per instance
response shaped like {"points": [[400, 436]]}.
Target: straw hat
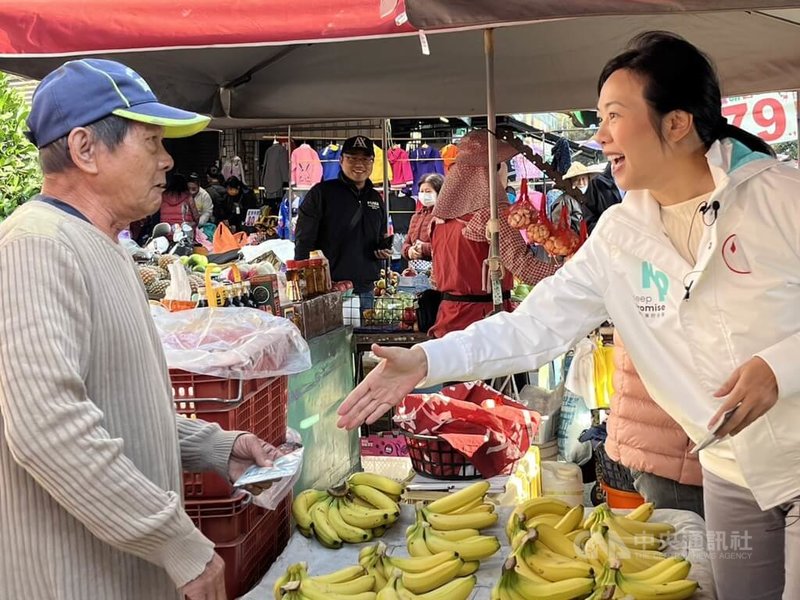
{"points": [[577, 169]]}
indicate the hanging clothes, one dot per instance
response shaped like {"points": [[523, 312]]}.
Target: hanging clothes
{"points": [[377, 167], [306, 167], [562, 157], [275, 171], [425, 159], [401, 167], [524, 168], [234, 168], [449, 154], [329, 157]]}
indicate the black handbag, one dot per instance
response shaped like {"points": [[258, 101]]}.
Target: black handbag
{"points": [[427, 308]]}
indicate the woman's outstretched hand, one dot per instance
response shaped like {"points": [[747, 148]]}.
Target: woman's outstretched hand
{"points": [[399, 372]]}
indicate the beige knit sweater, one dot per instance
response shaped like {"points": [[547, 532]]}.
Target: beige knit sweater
{"points": [[90, 454]]}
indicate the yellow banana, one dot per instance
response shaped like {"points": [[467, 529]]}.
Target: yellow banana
{"points": [[348, 533], [379, 482], [642, 513], [570, 521], [459, 588], [456, 534], [634, 542], [305, 532], [670, 569], [416, 546], [302, 504], [456, 500], [344, 574], [632, 527], [524, 570], [471, 505], [474, 548], [367, 552], [522, 587], [419, 564], [556, 541], [673, 590], [472, 520], [380, 577], [578, 537], [469, 567], [321, 526], [388, 593], [375, 497], [548, 519], [533, 507], [358, 516], [311, 592], [292, 573], [365, 583], [551, 567], [419, 583], [378, 531]]}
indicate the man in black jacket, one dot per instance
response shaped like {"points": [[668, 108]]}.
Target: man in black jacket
{"points": [[346, 219], [601, 194]]}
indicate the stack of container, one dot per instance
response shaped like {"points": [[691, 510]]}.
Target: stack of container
{"points": [[247, 537]]}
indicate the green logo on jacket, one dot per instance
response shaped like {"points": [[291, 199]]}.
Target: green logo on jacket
{"points": [[653, 277]]}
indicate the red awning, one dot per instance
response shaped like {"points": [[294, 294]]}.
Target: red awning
{"points": [[63, 27]]}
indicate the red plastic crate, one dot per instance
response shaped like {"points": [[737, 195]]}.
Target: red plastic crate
{"points": [[225, 519], [259, 406], [249, 558]]}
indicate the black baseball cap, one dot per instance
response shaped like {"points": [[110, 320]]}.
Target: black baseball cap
{"points": [[358, 143]]}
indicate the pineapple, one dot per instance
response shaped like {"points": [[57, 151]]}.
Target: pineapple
{"points": [[165, 260], [149, 275], [158, 289]]}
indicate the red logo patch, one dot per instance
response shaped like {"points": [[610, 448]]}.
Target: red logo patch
{"points": [[733, 255]]}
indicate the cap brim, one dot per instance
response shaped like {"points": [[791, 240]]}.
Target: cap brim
{"points": [[177, 123]]}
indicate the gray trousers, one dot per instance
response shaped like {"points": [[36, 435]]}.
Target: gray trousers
{"points": [[666, 493], [755, 554]]}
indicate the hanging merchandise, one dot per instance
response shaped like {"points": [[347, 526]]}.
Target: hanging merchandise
{"points": [[524, 168], [562, 157], [425, 159], [306, 167], [377, 167], [401, 167], [449, 154], [603, 373], [329, 157], [522, 212], [275, 172], [234, 168]]}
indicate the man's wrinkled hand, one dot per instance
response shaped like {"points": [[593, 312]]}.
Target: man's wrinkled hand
{"points": [[210, 584], [754, 385], [249, 450]]}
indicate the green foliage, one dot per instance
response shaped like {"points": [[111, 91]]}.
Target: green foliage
{"points": [[20, 176]]}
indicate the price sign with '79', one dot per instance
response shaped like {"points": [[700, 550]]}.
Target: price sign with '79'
{"points": [[772, 117]]}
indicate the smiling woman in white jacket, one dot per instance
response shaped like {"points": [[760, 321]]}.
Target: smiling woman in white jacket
{"points": [[699, 268]]}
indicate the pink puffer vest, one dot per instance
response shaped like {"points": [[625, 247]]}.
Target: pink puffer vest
{"points": [[641, 435]]}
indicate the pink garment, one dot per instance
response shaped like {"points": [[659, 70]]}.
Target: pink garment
{"points": [[401, 167], [524, 168], [306, 167]]}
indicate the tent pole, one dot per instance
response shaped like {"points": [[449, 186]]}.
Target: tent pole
{"points": [[495, 267], [386, 182]]}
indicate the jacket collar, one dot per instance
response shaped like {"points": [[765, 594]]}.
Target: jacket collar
{"points": [[352, 185]]}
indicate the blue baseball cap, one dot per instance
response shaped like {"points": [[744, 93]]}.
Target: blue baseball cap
{"points": [[81, 92]]}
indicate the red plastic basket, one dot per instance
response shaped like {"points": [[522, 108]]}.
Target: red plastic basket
{"points": [[436, 458], [257, 405], [225, 519], [249, 558]]}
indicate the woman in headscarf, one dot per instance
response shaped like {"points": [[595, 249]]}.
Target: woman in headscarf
{"points": [[459, 242]]}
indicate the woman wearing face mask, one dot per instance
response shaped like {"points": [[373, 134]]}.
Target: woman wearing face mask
{"points": [[699, 269], [578, 177], [417, 245]]}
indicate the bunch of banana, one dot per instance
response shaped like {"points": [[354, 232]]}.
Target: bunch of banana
{"points": [[612, 583], [360, 508], [464, 509], [516, 583], [568, 524], [349, 583], [424, 540], [603, 548], [539, 510], [645, 532], [459, 588], [418, 575], [552, 561]]}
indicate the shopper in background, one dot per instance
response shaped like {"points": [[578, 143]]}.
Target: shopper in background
{"points": [[177, 204], [698, 269], [646, 440], [237, 201], [346, 219], [91, 450], [601, 194], [460, 246], [417, 245], [202, 200]]}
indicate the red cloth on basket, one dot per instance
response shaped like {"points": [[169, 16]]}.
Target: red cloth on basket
{"points": [[487, 427]]}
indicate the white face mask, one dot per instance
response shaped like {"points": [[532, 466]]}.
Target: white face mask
{"points": [[583, 188], [427, 198]]}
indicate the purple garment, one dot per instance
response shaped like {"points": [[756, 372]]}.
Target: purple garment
{"points": [[425, 160]]}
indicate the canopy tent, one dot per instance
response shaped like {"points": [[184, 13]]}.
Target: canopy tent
{"points": [[253, 61]]}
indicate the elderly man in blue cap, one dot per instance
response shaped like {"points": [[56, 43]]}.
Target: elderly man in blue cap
{"points": [[91, 451]]}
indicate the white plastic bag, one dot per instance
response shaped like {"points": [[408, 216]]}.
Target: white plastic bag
{"points": [[580, 377], [285, 469], [232, 343]]}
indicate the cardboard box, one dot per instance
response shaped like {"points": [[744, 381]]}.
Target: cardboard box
{"points": [[316, 316]]}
